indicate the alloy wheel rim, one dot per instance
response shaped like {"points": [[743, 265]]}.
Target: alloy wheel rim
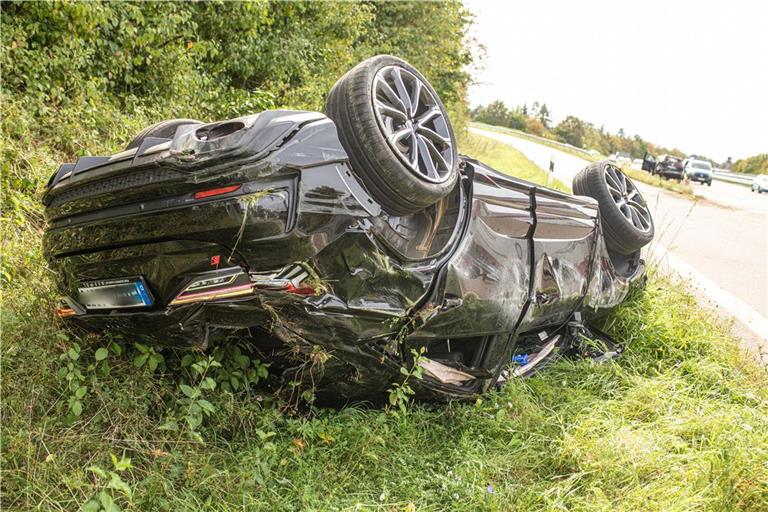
{"points": [[413, 123], [627, 198]]}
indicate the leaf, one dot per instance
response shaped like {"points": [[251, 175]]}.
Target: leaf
{"points": [[77, 407], [194, 421], [208, 383], [242, 361], [206, 406], [73, 353], [152, 363], [101, 354], [117, 483], [107, 502], [91, 506], [169, 424], [139, 360], [96, 470], [122, 464], [189, 391]]}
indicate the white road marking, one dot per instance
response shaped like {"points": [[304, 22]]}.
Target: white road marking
{"points": [[739, 309]]}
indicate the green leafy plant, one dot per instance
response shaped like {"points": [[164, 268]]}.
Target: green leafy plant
{"points": [[147, 357], [193, 405], [111, 484], [401, 392], [72, 373]]}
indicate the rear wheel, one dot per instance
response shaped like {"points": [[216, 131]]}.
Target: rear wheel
{"points": [[163, 130], [396, 132], [626, 219]]}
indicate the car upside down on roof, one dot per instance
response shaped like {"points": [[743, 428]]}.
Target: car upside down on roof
{"points": [[360, 234]]}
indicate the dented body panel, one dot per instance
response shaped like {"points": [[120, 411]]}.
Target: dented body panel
{"points": [[240, 209]]}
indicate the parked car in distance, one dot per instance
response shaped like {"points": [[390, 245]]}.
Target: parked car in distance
{"points": [[698, 170], [760, 184], [620, 157], [670, 167]]}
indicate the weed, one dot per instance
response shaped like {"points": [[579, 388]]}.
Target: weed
{"points": [[401, 392]]}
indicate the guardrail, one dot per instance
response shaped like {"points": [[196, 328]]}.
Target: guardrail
{"points": [[543, 140], [733, 177]]}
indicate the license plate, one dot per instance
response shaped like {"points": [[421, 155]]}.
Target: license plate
{"points": [[128, 292]]}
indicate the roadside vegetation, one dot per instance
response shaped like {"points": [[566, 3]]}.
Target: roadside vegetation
{"points": [[536, 120], [753, 165], [506, 159], [657, 181], [98, 422]]}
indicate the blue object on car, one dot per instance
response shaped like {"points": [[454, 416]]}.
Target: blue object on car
{"points": [[521, 359]]}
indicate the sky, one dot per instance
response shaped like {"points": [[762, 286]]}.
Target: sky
{"points": [[691, 75]]}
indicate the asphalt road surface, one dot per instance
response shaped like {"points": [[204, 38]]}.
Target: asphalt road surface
{"points": [[719, 241]]}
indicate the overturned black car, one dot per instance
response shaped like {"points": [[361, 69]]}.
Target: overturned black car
{"points": [[360, 235]]}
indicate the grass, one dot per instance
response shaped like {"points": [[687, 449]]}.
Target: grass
{"points": [[671, 185], [508, 160], [679, 423]]}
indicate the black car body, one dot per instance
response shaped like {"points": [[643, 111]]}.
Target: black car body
{"points": [[670, 167], [318, 261], [261, 226]]}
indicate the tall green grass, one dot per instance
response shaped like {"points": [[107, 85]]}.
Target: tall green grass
{"points": [[507, 159]]}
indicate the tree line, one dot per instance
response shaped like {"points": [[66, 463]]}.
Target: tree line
{"points": [[536, 119], [76, 71]]}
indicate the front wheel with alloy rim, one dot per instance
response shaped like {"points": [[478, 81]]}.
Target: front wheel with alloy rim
{"points": [[396, 132], [625, 217]]}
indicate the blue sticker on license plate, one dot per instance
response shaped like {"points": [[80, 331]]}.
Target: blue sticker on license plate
{"points": [[129, 292]]}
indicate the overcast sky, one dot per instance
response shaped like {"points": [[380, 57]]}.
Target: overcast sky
{"points": [[692, 75]]}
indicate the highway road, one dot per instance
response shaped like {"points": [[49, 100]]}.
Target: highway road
{"points": [[719, 240]]}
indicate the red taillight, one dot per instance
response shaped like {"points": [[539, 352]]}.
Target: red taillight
{"points": [[216, 191]]}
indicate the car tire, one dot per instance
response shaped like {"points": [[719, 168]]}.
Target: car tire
{"points": [[163, 130], [709, 183], [627, 225], [405, 155]]}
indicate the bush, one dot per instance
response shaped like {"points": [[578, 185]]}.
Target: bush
{"points": [[752, 165]]}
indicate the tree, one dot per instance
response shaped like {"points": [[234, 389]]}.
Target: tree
{"points": [[571, 130], [495, 113], [757, 164], [543, 116], [534, 126]]}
